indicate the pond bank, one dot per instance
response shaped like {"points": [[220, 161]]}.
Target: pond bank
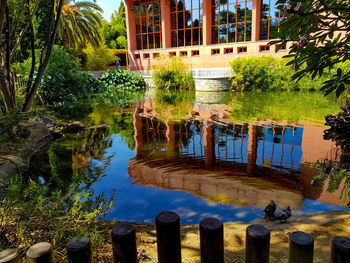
{"points": [[323, 227]]}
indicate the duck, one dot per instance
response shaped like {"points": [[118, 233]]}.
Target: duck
{"points": [[284, 214]]}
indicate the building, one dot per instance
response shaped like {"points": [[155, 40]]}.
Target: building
{"points": [[207, 34]]}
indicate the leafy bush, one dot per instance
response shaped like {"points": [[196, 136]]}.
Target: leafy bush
{"points": [[120, 80], [99, 58], [172, 74], [268, 73]]}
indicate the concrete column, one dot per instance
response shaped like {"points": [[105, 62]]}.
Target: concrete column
{"points": [[252, 149], [166, 23], [207, 22], [209, 145], [130, 25], [256, 20]]}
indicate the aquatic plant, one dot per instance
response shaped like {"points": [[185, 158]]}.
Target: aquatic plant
{"points": [[122, 80]]}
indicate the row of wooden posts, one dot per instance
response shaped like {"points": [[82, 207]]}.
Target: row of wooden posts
{"points": [[301, 245]]}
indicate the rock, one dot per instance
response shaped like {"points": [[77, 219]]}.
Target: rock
{"points": [[75, 127]]}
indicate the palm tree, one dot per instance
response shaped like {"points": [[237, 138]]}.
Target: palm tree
{"points": [[80, 23]]}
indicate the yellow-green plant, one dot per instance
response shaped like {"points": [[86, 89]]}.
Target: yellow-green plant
{"points": [[99, 58], [172, 73]]}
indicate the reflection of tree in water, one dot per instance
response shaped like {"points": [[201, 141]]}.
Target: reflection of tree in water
{"points": [[80, 159], [337, 172]]}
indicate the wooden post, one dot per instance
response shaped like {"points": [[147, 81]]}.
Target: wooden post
{"points": [[168, 237], [79, 250], [257, 244], [10, 255], [124, 244], [301, 248], [340, 250], [211, 240], [40, 253]]}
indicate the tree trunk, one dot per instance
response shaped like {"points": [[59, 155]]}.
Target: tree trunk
{"points": [[42, 67]]}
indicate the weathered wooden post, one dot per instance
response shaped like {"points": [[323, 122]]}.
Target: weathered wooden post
{"points": [[124, 244], [10, 255], [301, 248], [79, 250], [168, 237], [40, 253], [211, 240], [257, 244], [340, 250]]}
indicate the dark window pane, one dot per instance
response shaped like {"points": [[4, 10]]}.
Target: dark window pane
{"points": [[201, 17], [195, 18], [180, 5], [188, 37], [248, 32], [150, 41], [173, 21], [223, 14], [156, 23], [223, 2], [144, 41], [231, 14], [156, 8], [215, 2], [195, 4], [187, 5], [138, 41], [137, 10], [223, 34], [265, 9], [138, 26], [173, 5], [149, 8], [240, 12], [180, 20], [214, 35], [150, 24], [181, 38], [143, 24], [232, 33], [249, 10], [201, 36], [215, 15], [240, 32], [273, 28], [264, 26], [143, 9], [174, 38], [187, 19], [157, 40], [195, 36]]}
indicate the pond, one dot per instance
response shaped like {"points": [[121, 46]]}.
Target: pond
{"points": [[219, 154]]}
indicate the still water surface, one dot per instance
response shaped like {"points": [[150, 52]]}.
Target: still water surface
{"points": [[223, 155]]}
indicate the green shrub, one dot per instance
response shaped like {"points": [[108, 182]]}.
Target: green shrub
{"points": [[172, 74], [122, 80], [99, 58], [268, 73]]}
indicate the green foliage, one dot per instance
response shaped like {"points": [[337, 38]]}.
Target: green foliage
{"points": [[322, 42], [31, 213], [172, 74], [121, 80], [99, 58], [115, 32], [268, 73]]}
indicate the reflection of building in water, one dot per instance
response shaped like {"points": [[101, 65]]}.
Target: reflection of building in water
{"points": [[211, 157]]}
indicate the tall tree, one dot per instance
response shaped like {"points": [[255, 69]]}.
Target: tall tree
{"points": [[81, 22], [16, 20]]}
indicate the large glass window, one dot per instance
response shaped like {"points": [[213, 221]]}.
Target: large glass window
{"points": [[271, 17], [186, 22], [231, 21], [148, 27]]}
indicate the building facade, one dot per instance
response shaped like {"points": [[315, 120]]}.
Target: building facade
{"points": [[205, 33]]}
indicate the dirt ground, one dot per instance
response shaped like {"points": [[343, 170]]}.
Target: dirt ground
{"points": [[323, 227]]}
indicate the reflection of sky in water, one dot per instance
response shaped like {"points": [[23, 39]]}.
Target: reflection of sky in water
{"points": [[142, 203]]}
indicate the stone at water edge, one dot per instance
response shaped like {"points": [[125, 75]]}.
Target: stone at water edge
{"points": [[76, 126]]}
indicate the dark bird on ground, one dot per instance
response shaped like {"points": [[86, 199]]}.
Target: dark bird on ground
{"points": [[270, 210], [284, 214]]}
